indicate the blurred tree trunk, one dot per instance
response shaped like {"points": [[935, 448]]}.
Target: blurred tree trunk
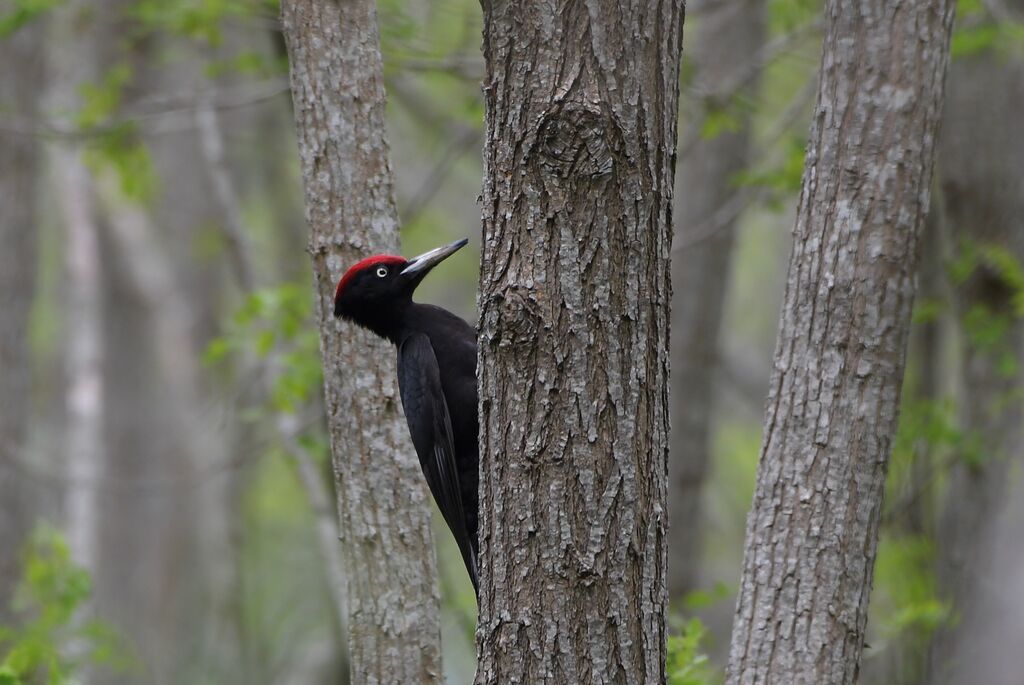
{"points": [[728, 43], [981, 167], [20, 88], [812, 532], [986, 647], [186, 215], [574, 307], [338, 91], [77, 47], [916, 513]]}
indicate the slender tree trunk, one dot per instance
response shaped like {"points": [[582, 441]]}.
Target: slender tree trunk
{"points": [[75, 63], [84, 361], [812, 533], [730, 37], [338, 91], [574, 308], [182, 218], [981, 171], [916, 516], [20, 82], [309, 474], [987, 645]]}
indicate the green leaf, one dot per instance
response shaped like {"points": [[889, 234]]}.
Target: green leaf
{"points": [[718, 121], [217, 350], [685, 664], [702, 599], [22, 12], [928, 310]]}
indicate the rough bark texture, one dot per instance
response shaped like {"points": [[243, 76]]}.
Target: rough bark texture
{"points": [[981, 174], [338, 91], [730, 37], [813, 530], [581, 104], [19, 169]]}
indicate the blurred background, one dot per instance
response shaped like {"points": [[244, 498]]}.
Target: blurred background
{"points": [[166, 506]]}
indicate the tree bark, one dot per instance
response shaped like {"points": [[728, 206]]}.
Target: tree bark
{"points": [[337, 87], [581, 102], [812, 532], [20, 82], [729, 41], [981, 164]]}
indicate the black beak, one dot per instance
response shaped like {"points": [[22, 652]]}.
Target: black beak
{"points": [[418, 267]]}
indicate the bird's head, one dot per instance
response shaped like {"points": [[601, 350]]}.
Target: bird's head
{"points": [[375, 291]]}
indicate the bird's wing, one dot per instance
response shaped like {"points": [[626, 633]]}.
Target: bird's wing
{"points": [[426, 411]]}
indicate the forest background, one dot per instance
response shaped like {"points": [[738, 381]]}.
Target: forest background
{"points": [[165, 478]]}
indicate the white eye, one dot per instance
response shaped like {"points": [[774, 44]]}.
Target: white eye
{"points": [[382, 271]]}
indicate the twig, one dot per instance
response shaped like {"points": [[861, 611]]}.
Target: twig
{"points": [[467, 139], [154, 121], [212, 146]]}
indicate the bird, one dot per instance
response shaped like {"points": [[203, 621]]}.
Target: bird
{"points": [[436, 379]]}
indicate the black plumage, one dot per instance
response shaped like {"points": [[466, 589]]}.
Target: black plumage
{"points": [[436, 378]]}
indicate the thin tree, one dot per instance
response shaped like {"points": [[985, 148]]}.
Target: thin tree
{"points": [[573, 350], [981, 164], [338, 91], [75, 60], [19, 171], [724, 49], [812, 533]]}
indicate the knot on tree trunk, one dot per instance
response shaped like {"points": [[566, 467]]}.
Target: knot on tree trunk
{"points": [[577, 141], [515, 318]]}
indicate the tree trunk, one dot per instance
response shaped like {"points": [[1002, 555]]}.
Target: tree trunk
{"points": [[831, 416], [574, 307], [20, 81], [384, 514], [75, 63], [980, 172], [730, 38], [987, 645]]}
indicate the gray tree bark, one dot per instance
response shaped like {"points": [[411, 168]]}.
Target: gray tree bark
{"points": [[77, 51], [730, 38], [981, 175], [384, 514], [19, 170], [573, 369], [812, 532]]}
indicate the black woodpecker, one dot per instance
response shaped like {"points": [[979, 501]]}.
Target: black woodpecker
{"points": [[436, 378]]}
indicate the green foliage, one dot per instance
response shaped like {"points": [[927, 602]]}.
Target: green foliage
{"points": [[686, 664], [48, 600], [122, 150], [978, 32], [930, 427], [115, 144], [1010, 271], [277, 322], [100, 101], [987, 324], [702, 599], [909, 605], [199, 20], [928, 310], [430, 52], [248, 63], [782, 179], [21, 12], [787, 15], [718, 121]]}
